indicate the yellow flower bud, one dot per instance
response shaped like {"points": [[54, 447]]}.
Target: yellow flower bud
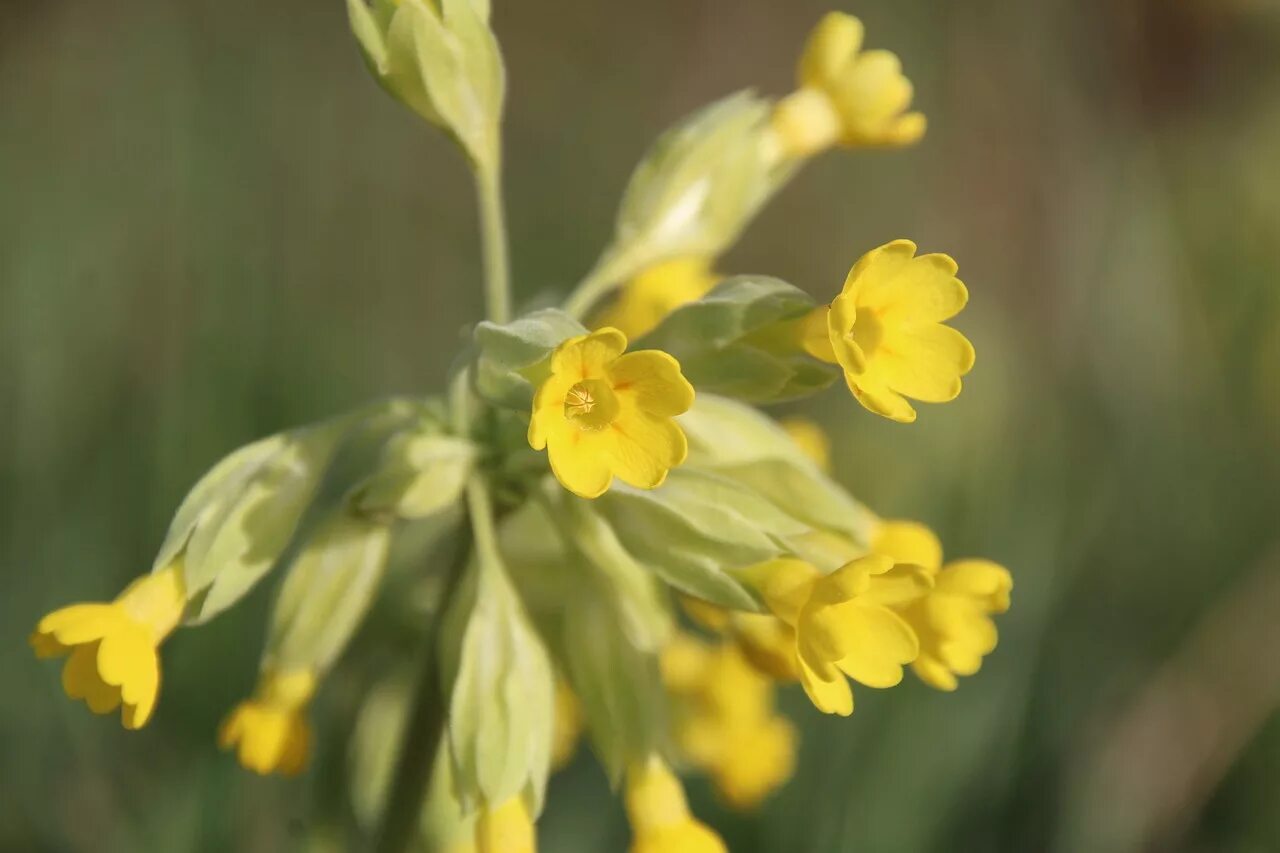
{"points": [[659, 813], [113, 648], [643, 302]]}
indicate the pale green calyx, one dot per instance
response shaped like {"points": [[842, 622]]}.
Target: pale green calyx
{"points": [[440, 59]]}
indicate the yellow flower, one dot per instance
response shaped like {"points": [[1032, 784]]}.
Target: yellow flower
{"points": [[844, 622], [908, 542], [506, 829], [659, 813], [602, 414], [114, 647], [953, 620], [811, 439], [847, 96], [567, 724], [726, 724], [886, 330], [643, 302], [271, 730], [765, 641]]}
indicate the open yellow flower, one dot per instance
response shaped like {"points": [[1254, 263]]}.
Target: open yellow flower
{"points": [[643, 302], [847, 96], [953, 617], [726, 722], [886, 330], [844, 622], [270, 731], [506, 829], [659, 813], [602, 414], [114, 648]]}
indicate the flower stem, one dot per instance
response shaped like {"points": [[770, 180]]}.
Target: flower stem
{"points": [[604, 277], [493, 241]]}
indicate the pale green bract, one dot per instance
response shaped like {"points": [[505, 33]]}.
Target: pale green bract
{"points": [[512, 358]]}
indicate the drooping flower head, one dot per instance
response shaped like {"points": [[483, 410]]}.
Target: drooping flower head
{"points": [[270, 732], [644, 301], [506, 829], [602, 414], [953, 617], [659, 813], [847, 96], [886, 330], [844, 622], [114, 648]]}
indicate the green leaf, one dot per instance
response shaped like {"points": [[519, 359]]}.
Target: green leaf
{"points": [[421, 472], [741, 340], [510, 358]]}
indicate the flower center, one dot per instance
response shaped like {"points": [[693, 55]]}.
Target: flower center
{"points": [[867, 331], [591, 404]]}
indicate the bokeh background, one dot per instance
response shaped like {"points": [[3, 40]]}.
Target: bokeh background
{"points": [[213, 225]]}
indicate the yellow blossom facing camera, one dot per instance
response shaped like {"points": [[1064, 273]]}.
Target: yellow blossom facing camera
{"points": [[886, 330], [602, 414], [114, 648], [506, 829], [847, 96], [270, 732], [643, 302], [844, 622], [659, 813]]}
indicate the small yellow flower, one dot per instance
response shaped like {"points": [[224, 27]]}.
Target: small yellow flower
{"points": [[952, 618], [602, 414], [566, 729], [647, 299], [270, 731], [506, 829], [844, 622], [114, 648], [886, 330], [659, 813], [811, 439], [765, 641], [726, 723], [847, 96]]}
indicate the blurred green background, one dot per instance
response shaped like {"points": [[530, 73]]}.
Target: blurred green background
{"points": [[213, 225]]}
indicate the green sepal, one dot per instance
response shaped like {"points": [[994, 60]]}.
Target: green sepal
{"points": [[511, 359], [741, 341]]}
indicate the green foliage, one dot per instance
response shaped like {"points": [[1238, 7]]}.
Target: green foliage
{"points": [[511, 358]]}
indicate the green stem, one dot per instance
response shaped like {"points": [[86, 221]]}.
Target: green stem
{"points": [[604, 277], [424, 727], [493, 241]]}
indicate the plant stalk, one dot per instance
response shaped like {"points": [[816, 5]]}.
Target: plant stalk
{"points": [[493, 241]]}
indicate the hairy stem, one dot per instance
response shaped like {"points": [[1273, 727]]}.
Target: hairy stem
{"points": [[493, 241]]}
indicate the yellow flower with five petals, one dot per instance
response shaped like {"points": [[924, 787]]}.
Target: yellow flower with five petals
{"points": [[844, 623], [886, 330], [847, 96], [270, 731], [114, 648], [602, 414]]}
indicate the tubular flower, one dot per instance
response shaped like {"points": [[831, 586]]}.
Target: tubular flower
{"points": [[908, 542], [113, 648], [953, 620], [811, 439], [844, 622], [643, 302], [567, 725], [726, 724], [506, 829], [886, 330], [602, 414], [847, 96], [659, 813], [270, 730], [765, 641]]}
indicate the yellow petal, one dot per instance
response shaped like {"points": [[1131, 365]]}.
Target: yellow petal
{"points": [[924, 290], [645, 448], [879, 643], [875, 395], [830, 47], [505, 829], [877, 267], [984, 580], [934, 673], [585, 356], [784, 584], [80, 623], [651, 381], [925, 362], [908, 542], [580, 460], [830, 695], [80, 680]]}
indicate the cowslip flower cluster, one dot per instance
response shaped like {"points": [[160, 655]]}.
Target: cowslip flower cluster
{"points": [[599, 536]]}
